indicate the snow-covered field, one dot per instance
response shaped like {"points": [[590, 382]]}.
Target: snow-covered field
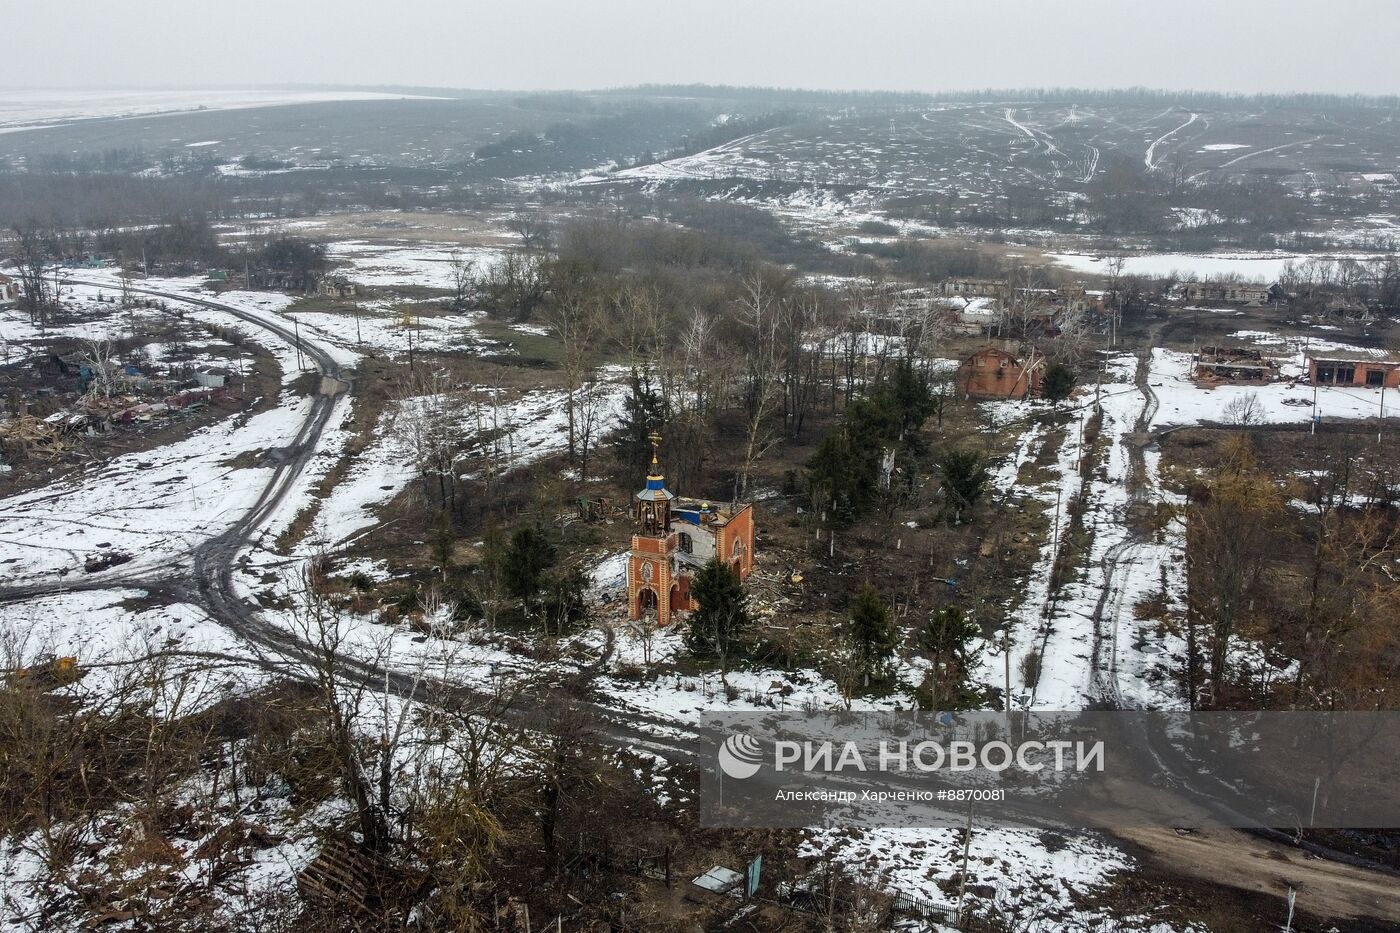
{"points": [[429, 265], [389, 328], [31, 108], [1183, 402], [1256, 267]]}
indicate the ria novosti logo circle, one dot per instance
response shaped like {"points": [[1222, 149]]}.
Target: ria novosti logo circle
{"points": [[740, 756]]}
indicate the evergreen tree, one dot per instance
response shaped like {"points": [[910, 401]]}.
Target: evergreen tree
{"points": [[964, 480], [911, 396], [840, 481], [530, 554], [563, 600], [843, 476], [718, 624], [872, 631], [643, 413], [489, 582], [948, 638], [1057, 383]]}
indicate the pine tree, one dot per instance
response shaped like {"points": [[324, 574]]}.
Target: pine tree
{"points": [[530, 554], [839, 480], [948, 637], [1057, 383], [563, 601], [964, 480], [872, 631], [844, 475], [643, 413], [912, 396], [488, 584], [717, 625]]}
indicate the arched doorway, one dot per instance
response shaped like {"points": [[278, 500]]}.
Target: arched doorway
{"points": [[737, 557], [646, 601]]}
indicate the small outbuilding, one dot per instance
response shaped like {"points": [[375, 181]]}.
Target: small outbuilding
{"points": [[336, 286], [212, 377], [1381, 370]]}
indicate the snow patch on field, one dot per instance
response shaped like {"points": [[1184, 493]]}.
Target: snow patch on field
{"points": [[1037, 878], [1268, 267], [428, 265]]}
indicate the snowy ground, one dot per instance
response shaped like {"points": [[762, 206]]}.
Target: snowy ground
{"points": [[426, 265], [1037, 878], [394, 329], [159, 504], [32, 108], [1183, 402], [1257, 267]]}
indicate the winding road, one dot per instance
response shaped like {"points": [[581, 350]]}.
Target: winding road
{"points": [[207, 581]]}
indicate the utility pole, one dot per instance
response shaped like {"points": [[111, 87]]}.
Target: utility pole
{"points": [[1313, 429], [1380, 422], [1006, 665]]}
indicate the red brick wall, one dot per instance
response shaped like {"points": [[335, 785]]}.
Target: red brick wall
{"points": [[1359, 371], [997, 376], [738, 528]]}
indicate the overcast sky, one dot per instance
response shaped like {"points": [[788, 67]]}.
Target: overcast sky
{"points": [[1229, 45]]}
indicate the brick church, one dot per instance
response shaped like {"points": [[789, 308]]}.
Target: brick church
{"points": [[674, 539]]}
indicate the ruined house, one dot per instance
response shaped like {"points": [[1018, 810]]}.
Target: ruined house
{"points": [[1234, 364], [336, 286], [1241, 293], [970, 288], [993, 372], [212, 377], [9, 290]]}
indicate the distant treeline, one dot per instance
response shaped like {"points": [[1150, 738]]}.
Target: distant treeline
{"points": [[1043, 94]]}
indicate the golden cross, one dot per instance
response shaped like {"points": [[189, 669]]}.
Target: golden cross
{"points": [[655, 439]]}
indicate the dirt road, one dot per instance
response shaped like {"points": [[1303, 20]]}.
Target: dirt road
{"points": [[1326, 889]]}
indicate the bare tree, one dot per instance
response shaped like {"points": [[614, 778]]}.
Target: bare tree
{"points": [[426, 421], [759, 316], [1229, 536], [575, 320], [801, 365], [696, 359], [534, 229], [590, 408], [34, 251], [1024, 301], [463, 272], [98, 355], [1244, 410]]}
